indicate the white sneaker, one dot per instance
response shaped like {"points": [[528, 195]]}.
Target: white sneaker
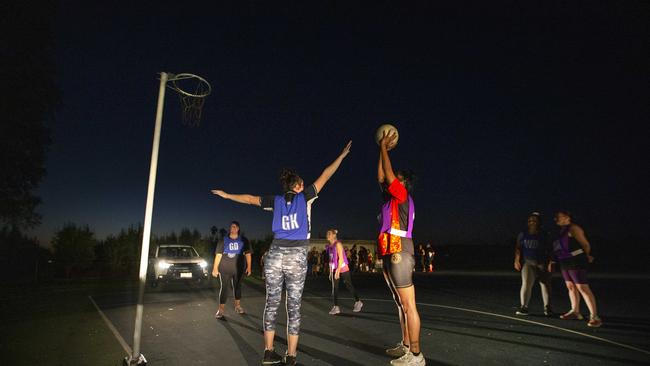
{"points": [[409, 360], [398, 351], [357, 306], [335, 310]]}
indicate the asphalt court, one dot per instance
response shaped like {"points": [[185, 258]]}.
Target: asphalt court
{"points": [[467, 319]]}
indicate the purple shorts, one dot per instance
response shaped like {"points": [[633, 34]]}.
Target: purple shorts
{"points": [[578, 276]]}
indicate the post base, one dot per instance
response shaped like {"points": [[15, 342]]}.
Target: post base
{"points": [[130, 361]]}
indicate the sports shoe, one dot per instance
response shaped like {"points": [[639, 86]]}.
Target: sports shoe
{"points": [[522, 311], [357, 306], [409, 359], [594, 321], [398, 351], [548, 312], [571, 316], [271, 358], [335, 310], [289, 360], [218, 314], [239, 310]]}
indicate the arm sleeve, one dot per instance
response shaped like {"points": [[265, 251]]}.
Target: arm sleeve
{"points": [[247, 247], [398, 191], [267, 203], [219, 249], [310, 193]]}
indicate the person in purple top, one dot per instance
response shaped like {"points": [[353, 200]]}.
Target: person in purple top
{"points": [[340, 269], [573, 251], [285, 265]]}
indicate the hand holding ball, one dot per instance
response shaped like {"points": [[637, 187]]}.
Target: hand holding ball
{"points": [[387, 131]]}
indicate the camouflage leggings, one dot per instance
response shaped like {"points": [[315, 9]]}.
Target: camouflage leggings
{"points": [[288, 266]]}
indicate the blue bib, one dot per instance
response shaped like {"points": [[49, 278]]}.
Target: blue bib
{"points": [[232, 247], [531, 246], [291, 219]]}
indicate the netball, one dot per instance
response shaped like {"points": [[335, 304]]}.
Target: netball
{"points": [[388, 128]]}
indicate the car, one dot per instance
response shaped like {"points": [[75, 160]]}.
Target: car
{"points": [[176, 262]]}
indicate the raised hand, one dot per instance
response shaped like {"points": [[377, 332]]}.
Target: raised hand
{"points": [[346, 149], [388, 140], [219, 193]]}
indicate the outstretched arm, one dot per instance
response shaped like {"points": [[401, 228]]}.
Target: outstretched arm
{"points": [[385, 144], [331, 169], [241, 198]]}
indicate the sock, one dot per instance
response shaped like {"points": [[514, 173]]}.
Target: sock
{"points": [[416, 354]]}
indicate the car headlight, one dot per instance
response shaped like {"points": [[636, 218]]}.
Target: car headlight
{"points": [[164, 265], [203, 264]]}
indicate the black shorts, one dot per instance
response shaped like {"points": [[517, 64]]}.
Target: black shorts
{"points": [[399, 267]]}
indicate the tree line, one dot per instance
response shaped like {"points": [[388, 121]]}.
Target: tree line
{"points": [[76, 252]]}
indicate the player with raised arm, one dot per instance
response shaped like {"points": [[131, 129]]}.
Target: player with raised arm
{"points": [[286, 262]]}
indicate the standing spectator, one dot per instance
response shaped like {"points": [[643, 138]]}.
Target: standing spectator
{"points": [[532, 249], [353, 258], [573, 251], [313, 259], [419, 258], [429, 257], [363, 259]]}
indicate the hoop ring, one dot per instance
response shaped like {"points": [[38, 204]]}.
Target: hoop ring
{"points": [[183, 76]]}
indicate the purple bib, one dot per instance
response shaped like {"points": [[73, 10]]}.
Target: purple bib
{"points": [[333, 254], [386, 220]]}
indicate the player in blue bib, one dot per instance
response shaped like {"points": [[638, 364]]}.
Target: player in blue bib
{"points": [[532, 249], [286, 261], [232, 260]]}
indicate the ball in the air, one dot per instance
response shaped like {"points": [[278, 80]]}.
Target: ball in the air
{"points": [[388, 128]]}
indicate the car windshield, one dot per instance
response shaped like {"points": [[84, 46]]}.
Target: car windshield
{"points": [[177, 252]]}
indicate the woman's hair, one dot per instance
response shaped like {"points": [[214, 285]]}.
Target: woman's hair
{"points": [[409, 178], [333, 231], [288, 179], [566, 213]]}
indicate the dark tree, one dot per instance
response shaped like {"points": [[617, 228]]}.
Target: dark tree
{"points": [[29, 97], [74, 247]]}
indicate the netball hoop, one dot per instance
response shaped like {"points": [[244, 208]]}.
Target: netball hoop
{"points": [[193, 90]]}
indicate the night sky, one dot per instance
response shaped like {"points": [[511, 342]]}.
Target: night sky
{"points": [[502, 110]]}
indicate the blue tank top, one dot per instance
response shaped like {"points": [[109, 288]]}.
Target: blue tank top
{"points": [[232, 247], [291, 219], [531, 245]]}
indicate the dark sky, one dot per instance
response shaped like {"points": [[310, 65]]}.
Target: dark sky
{"points": [[502, 109]]}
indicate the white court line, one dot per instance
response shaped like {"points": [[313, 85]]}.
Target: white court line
{"points": [[505, 317], [110, 325]]}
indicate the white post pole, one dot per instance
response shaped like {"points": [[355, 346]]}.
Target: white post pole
{"points": [[146, 235]]}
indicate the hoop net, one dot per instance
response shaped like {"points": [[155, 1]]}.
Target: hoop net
{"points": [[192, 90]]}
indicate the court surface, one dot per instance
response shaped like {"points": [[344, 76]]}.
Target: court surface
{"points": [[467, 319]]}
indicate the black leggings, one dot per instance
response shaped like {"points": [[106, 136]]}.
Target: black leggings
{"points": [[232, 280], [347, 279]]}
